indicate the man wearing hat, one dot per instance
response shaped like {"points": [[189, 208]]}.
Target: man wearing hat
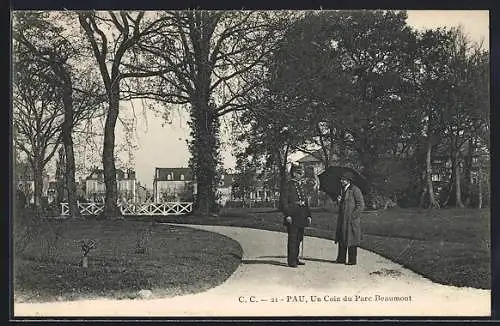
{"points": [[348, 232], [297, 214]]}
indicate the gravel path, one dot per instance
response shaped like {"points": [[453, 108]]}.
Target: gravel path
{"points": [[264, 286]]}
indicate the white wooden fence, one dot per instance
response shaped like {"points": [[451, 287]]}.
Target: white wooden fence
{"points": [[167, 208]]}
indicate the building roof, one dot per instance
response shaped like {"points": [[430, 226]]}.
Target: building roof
{"points": [[316, 157], [173, 174], [310, 157], [98, 174]]}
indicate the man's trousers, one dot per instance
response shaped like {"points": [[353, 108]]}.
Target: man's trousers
{"points": [[351, 252], [295, 237]]}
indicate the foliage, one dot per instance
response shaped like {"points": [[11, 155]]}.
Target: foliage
{"points": [[245, 180], [41, 37], [367, 90], [115, 52], [213, 61], [354, 87], [38, 114]]}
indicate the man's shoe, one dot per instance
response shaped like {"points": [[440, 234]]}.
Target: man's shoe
{"points": [[336, 261], [351, 263], [293, 266], [300, 263]]}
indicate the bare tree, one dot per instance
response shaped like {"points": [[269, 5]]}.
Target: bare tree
{"points": [[214, 59], [37, 116], [112, 37], [41, 39]]}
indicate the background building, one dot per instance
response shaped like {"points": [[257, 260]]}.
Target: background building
{"points": [[25, 181], [173, 184], [95, 188], [225, 188]]}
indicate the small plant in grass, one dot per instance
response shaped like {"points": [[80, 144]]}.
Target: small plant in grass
{"points": [[86, 247], [49, 242], [143, 240], [26, 228], [55, 240]]}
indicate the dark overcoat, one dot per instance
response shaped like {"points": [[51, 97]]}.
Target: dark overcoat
{"points": [[294, 194], [348, 232]]}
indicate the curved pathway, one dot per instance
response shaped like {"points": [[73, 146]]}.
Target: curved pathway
{"points": [[264, 286]]}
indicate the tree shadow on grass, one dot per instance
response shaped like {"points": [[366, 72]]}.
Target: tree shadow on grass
{"points": [[306, 259], [263, 261]]}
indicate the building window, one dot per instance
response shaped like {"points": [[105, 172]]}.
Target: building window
{"points": [[436, 177], [169, 177], [182, 177]]}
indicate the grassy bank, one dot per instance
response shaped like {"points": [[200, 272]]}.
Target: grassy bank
{"points": [[448, 246], [129, 256]]}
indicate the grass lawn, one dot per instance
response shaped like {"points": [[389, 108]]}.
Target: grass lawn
{"points": [[130, 256], [448, 246]]}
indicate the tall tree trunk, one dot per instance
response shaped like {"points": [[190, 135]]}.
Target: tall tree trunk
{"points": [[422, 197], [467, 186], [479, 189], [451, 181], [456, 172], [282, 177], [205, 122], [38, 191], [61, 166], [204, 149], [111, 210], [433, 203], [68, 145]]}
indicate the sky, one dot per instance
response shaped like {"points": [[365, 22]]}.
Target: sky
{"points": [[165, 145]]}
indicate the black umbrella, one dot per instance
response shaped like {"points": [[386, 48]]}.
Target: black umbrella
{"points": [[329, 180]]}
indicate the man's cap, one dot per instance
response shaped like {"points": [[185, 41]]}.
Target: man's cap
{"points": [[295, 168], [348, 175]]}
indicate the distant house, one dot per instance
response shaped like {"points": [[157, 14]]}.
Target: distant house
{"points": [[225, 188], [259, 191], [95, 188], [262, 193], [25, 181], [143, 194], [313, 166], [171, 184], [442, 166]]}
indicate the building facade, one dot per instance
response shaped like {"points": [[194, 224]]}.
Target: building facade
{"points": [[173, 184], [95, 188], [313, 167], [24, 180], [225, 188]]}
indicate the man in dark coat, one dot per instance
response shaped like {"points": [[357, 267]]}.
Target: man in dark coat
{"points": [[297, 214], [348, 232]]}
